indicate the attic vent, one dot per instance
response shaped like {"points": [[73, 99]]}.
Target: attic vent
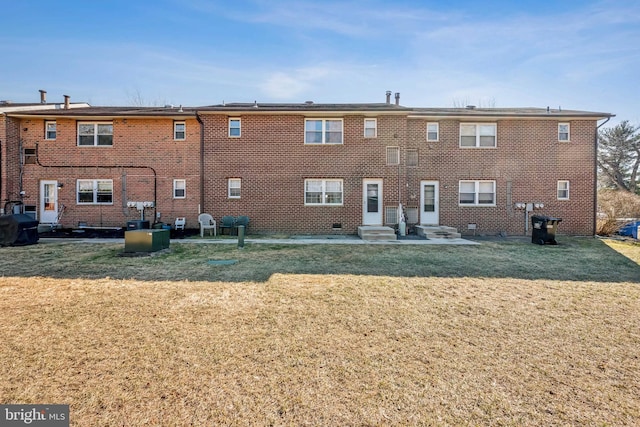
{"points": [[309, 102], [471, 107]]}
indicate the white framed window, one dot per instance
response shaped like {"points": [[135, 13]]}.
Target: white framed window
{"points": [[179, 130], [393, 156], [323, 192], [50, 130], [412, 157], [235, 127], [95, 134], [235, 187], [370, 128], [477, 193], [94, 191], [478, 135], [433, 131], [564, 132], [179, 188], [323, 131], [563, 190]]}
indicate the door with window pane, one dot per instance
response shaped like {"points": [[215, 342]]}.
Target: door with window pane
{"points": [[429, 203], [48, 202], [372, 202]]}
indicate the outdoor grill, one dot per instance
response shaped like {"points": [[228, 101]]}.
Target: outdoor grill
{"points": [[17, 230]]}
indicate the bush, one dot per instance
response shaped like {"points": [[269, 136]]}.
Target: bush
{"points": [[615, 208]]}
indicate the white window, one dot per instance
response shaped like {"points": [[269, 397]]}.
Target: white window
{"points": [[179, 188], [94, 191], [563, 190], [563, 132], [235, 127], [235, 187], [179, 130], [95, 134], [323, 192], [370, 128], [393, 156], [323, 131], [478, 135], [477, 193], [433, 131], [50, 130]]}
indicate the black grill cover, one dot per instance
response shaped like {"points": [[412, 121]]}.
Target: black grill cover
{"points": [[18, 230]]}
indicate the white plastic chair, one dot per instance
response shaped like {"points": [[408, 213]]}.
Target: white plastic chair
{"points": [[207, 223], [180, 223]]}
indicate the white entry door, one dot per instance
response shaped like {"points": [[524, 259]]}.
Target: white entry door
{"points": [[48, 202], [429, 203], [372, 202]]}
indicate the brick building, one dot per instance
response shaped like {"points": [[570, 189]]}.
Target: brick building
{"points": [[311, 168]]}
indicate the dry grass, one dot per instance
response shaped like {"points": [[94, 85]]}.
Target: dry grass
{"points": [[458, 347]]}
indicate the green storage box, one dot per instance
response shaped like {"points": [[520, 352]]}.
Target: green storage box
{"points": [[146, 240]]}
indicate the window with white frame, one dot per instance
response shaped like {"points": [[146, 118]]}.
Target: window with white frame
{"points": [[235, 127], [563, 190], [477, 193], [50, 129], [323, 131], [370, 128], [323, 192], [179, 188], [94, 191], [433, 131], [563, 132], [179, 130], [95, 134], [478, 135], [235, 187], [393, 156]]}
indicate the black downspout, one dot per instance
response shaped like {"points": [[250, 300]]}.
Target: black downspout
{"points": [[202, 209], [595, 179]]}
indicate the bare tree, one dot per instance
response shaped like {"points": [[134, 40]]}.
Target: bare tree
{"points": [[619, 156]]}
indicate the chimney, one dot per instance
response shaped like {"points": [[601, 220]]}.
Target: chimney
{"points": [[388, 97], [43, 96], [397, 98], [66, 102]]}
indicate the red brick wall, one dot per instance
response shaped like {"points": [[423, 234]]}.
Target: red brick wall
{"points": [[10, 167], [139, 144], [528, 158], [273, 162]]}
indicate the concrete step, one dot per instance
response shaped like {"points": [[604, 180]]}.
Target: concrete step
{"points": [[372, 232], [437, 232]]}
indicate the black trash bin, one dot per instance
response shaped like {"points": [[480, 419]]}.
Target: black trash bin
{"points": [[544, 229]]}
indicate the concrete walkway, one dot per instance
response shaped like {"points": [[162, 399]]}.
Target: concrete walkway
{"points": [[294, 240]]}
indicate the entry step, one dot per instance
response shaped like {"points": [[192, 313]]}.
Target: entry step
{"points": [[373, 232], [437, 232]]}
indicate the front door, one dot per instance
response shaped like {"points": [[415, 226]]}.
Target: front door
{"points": [[372, 202], [429, 203], [49, 202]]}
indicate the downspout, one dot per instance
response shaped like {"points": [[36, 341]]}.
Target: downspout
{"points": [[595, 178], [201, 204]]}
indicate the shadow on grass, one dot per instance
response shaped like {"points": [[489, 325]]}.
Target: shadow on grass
{"points": [[576, 259]]}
